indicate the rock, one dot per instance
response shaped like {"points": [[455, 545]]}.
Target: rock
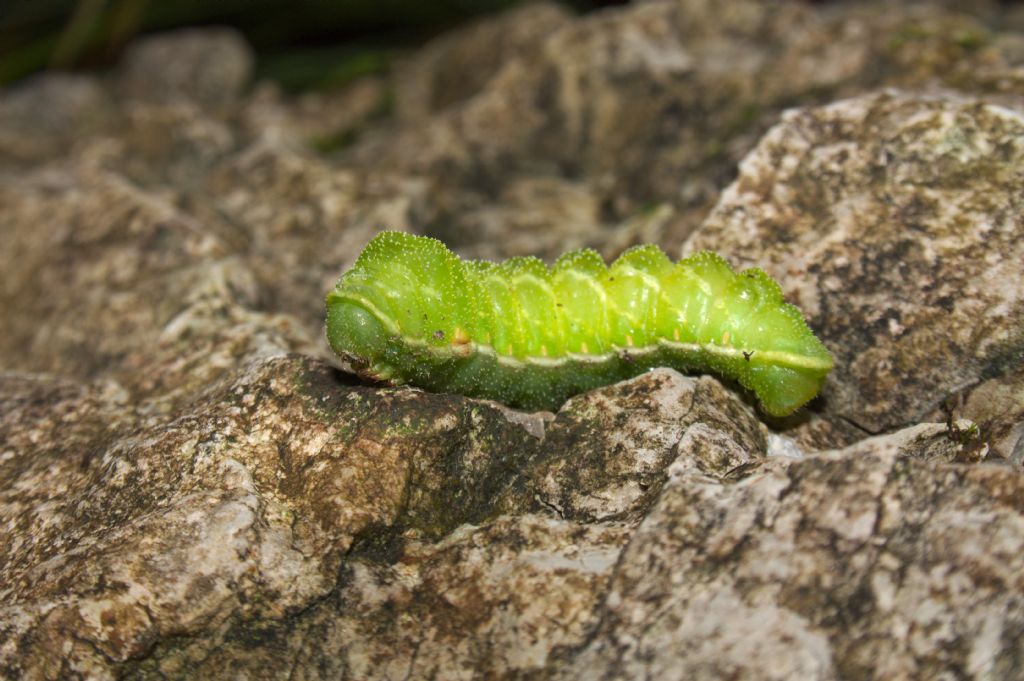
{"points": [[458, 64], [893, 222], [855, 564], [327, 120], [606, 455], [621, 98], [302, 221], [161, 147], [189, 488], [44, 117], [118, 298], [519, 223], [236, 509], [996, 410], [120, 281], [209, 66], [410, 619], [204, 531]]}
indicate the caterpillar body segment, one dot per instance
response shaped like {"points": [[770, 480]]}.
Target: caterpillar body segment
{"points": [[410, 311]]}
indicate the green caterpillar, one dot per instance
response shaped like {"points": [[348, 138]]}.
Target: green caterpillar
{"points": [[410, 311]]}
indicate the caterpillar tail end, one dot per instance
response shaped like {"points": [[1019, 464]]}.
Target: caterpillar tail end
{"points": [[782, 389]]}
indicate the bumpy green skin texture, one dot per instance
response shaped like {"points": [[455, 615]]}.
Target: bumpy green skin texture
{"points": [[410, 311]]}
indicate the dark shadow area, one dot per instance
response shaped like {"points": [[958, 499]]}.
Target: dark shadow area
{"points": [[303, 45]]}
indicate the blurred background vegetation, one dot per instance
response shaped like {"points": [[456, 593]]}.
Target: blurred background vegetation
{"points": [[302, 44]]}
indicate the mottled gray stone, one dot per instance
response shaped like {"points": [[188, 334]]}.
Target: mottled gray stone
{"points": [[189, 489], [606, 455], [458, 64], [657, 102], [519, 223], [894, 222], [209, 66], [868, 563], [49, 114], [236, 509]]}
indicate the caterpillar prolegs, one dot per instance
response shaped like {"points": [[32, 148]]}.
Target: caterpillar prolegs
{"points": [[410, 311]]}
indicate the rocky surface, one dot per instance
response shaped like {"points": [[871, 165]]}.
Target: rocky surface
{"points": [[895, 222], [190, 489], [658, 103], [864, 563]]}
